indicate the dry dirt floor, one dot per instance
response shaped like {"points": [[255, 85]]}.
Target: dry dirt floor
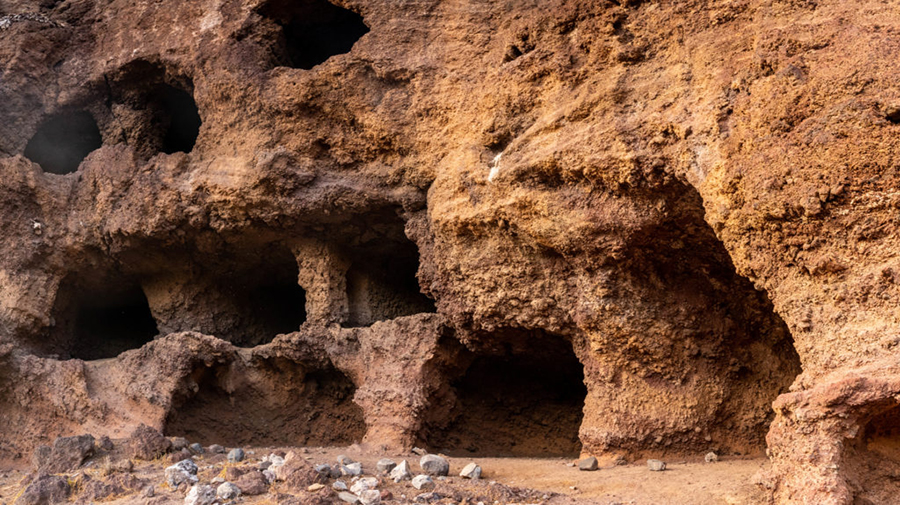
{"points": [[555, 480]]}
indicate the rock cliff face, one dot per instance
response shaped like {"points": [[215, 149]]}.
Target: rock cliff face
{"points": [[622, 228]]}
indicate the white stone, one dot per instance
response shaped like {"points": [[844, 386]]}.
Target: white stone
{"points": [[423, 483], [200, 495]]}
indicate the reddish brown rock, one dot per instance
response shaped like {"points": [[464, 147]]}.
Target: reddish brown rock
{"points": [[146, 443], [252, 483]]}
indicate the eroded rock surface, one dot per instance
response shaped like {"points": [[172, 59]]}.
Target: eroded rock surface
{"points": [[507, 228]]}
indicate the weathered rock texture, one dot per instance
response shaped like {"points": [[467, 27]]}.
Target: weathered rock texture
{"points": [[377, 214]]}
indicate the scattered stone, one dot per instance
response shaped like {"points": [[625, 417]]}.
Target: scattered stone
{"points": [[296, 473], [233, 473], [97, 490], [429, 497], [344, 460], [351, 470], [269, 475], [106, 444], [339, 485], [218, 480], [315, 487], [179, 443], [66, 454], [236, 455], [46, 489], [148, 492], [433, 464], [656, 465], [348, 497], [252, 483], [419, 451], [401, 472], [711, 457], [620, 460], [364, 484], [471, 471], [264, 465], [588, 464], [227, 491], [147, 444], [423, 483], [183, 471], [200, 495], [276, 460], [181, 455], [385, 465], [123, 465], [216, 449], [386, 495], [370, 497], [324, 469], [196, 448]]}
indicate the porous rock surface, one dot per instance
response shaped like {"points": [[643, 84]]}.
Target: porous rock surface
{"points": [[668, 212]]}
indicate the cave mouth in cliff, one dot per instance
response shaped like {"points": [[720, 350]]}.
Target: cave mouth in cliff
{"points": [[270, 402], [155, 111], [96, 320], [63, 141], [872, 459], [382, 281], [524, 397], [315, 30]]}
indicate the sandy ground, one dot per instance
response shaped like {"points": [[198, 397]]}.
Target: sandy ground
{"points": [[727, 482]]}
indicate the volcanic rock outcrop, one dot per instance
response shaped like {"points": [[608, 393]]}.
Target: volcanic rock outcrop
{"points": [[620, 228]]}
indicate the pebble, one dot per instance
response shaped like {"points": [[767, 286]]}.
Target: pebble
{"points": [[385, 465], [348, 497], [370, 497], [353, 469], [471, 471], [656, 465], [200, 495], [401, 472], [148, 492], [216, 449], [218, 480], [276, 461], [711, 457], [344, 460], [196, 448], [364, 484], [315, 487], [270, 476], [419, 451], [423, 483], [433, 464], [264, 465], [324, 469], [339, 485], [181, 472], [227, 491], [428, 497], [236, 455], [588, 464]]}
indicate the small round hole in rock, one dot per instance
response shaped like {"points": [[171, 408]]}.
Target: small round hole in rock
{"points": [[315, 30], [63, 141]]}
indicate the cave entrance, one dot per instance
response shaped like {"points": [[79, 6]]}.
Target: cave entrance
{"points": [[274, 402], [871, 460], [155, 112], [523, 397], [94, 320], [382, 281], [315, 30], [63, 141]]}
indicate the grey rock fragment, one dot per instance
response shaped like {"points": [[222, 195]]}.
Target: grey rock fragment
{"points": [[181, 472], [200, 495], [370, 497], [433, 464], [216, 449], [656, 465], [401, 472], [471, 471], [227, 491], [423, 483], [351, 470], [385, 465], [588, 464], [196, 448], [348, 497], [236, 455], [339, 485]]}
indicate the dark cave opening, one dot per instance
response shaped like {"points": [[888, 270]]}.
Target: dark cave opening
{"points": [[63, 141], [155, 112], [382, 285], [98, 320], [523, 397], [315, 30], [871, 460], [275, 402]]}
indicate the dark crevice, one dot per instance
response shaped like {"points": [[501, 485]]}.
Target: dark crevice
{"points": [[314, 30], [63, 141]]}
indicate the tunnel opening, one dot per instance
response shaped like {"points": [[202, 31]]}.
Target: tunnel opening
{"points": [[63, 141], [98, 319], [272, 402], [314, 30], [155, 112], [246, 294], [871, 460], [382, 281], [523, 396]]}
